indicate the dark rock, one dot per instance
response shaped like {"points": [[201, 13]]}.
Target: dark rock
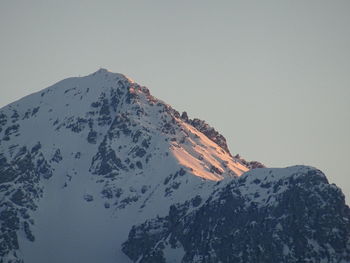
{"points": [[28, 232], [43, 168], [7, 173], [139, 164], [184, 116], [11, 130], [107, 193], [15, 116], [106, 160], [92, 137], [35, 110], [36, 148], [88, 198], [214, 169], [77, 125], [19, 198], [228, 229], [208, 131], [196, 201], [57, 157], [140, 152]]}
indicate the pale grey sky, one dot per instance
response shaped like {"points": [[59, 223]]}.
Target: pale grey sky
{"points": [[272, 76]]}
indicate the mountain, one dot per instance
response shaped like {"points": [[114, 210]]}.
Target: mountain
{"points": [[96, 169]]}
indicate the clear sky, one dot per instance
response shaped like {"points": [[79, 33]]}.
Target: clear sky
{"points": [[272, 76]]}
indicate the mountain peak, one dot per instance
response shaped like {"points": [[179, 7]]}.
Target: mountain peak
{"points": [[96, 160], [102, 70], [106, 73]]}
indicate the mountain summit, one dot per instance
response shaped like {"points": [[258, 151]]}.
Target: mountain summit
{"points": [[96, 169]]}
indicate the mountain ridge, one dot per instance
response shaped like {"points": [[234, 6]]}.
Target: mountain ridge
{"points": [[88, 159]]}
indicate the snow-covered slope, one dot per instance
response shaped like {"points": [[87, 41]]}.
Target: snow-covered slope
{"points": [[97, 151], [89, 159]]}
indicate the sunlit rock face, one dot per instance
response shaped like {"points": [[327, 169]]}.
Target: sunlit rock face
{"points": [[96, 169]]}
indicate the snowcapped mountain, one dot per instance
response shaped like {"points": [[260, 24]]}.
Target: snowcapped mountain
{"points": [[96, 169]]}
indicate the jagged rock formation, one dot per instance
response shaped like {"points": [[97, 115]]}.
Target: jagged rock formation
{"points": [[264, 216]]}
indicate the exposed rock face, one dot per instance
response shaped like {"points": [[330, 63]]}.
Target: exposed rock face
{"points": [[207, 130], [19, 191], [250, 164], [98, 162], [293, 218]]}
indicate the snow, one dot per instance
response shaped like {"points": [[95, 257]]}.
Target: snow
{"points": [[286, 250], [67, 227], [259, 183], [174, 255], [197, 144]]}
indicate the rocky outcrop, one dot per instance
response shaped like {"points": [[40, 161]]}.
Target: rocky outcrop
{"points": [[206, 129], [297, 217]]}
